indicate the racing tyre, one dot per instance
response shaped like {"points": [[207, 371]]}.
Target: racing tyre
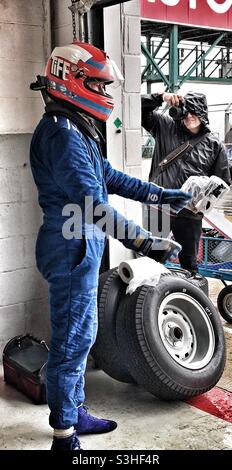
{"points": [[224, 303], [105, 351], [172, 339]]}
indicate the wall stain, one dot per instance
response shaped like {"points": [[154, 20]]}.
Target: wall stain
{"points": [[3, 3]]}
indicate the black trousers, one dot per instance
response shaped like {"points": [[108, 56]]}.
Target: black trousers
{"points": [[187, 230]]}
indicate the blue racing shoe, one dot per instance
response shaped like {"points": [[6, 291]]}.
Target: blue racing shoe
{"points": [[88, 424], [66, 443]]}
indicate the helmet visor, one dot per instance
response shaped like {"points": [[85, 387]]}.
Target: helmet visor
{"points": [[104, 86], [118, 78], [98, 85]]}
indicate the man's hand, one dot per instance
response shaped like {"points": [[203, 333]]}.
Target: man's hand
{"points": [[172, 99], [176, 198]]}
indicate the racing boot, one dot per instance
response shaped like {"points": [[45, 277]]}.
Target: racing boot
{"points": [[66, 443], [88, 424]]}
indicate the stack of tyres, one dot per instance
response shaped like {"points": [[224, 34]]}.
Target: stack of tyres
{"points": [[105, 351], [167, 338]]}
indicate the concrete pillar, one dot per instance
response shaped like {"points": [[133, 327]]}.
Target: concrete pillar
{"points": [[122, 43], [61, 22]]}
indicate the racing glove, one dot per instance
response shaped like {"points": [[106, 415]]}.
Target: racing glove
{"points": [[176, 198], [159, 249]]}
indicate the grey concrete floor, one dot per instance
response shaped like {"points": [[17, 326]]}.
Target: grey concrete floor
{"points": [[143, 422]]}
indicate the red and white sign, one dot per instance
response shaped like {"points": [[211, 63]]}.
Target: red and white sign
{"points": [[214, 14]]}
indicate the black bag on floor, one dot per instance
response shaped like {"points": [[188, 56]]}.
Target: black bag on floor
{"points": [[24, 364]]}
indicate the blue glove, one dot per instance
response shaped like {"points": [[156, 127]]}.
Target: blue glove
{"points": [[160, 249], [176, 198]]}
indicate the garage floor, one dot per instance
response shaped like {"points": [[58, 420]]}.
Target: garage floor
{"points": [[143, 422]]}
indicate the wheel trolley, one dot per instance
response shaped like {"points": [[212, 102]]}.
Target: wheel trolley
{"points": [[215, 261]]}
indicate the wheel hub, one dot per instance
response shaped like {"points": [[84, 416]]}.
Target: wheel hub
{"points": [[186, 330], [178, 334], [228, 303]]}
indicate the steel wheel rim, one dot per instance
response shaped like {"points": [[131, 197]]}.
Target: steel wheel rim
{"points": [[227, 304], [186, 331]]}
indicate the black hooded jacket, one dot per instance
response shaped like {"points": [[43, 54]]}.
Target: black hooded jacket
{"points": [[208, 157]]}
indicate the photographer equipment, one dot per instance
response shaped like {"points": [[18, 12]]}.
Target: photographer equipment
{"points": [[194, 103], [178, 112], [177, 153]]}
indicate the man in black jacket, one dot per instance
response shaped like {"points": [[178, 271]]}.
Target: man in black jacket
{"points": [[207, 157]]}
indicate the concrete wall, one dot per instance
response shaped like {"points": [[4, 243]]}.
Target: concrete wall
{"points": [[24, 47]]}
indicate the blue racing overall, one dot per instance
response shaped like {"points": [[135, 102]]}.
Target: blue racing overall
{"points": [[67, 166]]}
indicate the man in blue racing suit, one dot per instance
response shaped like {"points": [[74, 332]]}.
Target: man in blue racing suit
{"points": [[70, 173]]}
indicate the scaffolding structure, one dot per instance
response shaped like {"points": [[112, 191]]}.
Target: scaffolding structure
{"points": [[175, 54]]}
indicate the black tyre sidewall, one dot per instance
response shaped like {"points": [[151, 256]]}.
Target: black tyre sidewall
{"points": [[199, 281], [105, 351], [180, 272]]}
